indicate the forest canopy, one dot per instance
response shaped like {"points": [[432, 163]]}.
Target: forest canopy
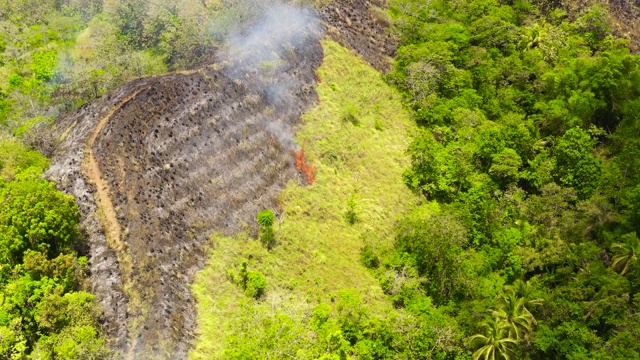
{"points": [[528, 144], [526, 158]]}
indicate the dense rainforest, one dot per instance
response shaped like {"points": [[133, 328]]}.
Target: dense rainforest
{"points": [[528, 155], [525, 157]]}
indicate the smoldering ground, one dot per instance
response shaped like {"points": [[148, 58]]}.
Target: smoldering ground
{"points": [[190, 154], [259, 58]]}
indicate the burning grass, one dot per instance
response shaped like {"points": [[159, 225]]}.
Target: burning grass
{"points": [[318, 250], [303, 167]]}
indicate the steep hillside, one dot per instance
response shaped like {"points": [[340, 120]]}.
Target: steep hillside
{"points": [[161, 163], [362, 26], [170, 159], [625, 16], [356, 138]]}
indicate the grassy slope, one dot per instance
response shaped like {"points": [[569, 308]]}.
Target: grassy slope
{"points": [[318, 251]]}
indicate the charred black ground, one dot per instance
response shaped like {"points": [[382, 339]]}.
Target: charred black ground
{"points": [[186, 156], [161, 163], [362, 26]]}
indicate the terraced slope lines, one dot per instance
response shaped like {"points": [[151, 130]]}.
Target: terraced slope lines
{"points": [[169, 160]]}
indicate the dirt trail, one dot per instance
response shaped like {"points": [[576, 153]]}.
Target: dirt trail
{"points": [[109, 218], [92, 171]]}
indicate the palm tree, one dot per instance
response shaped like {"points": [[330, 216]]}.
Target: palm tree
{"points": [[627, 253], [524, 290], [513, 312], [494, 343]]}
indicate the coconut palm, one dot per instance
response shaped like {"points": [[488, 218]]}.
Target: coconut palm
{"points": [[534, 38], [513, 312], [494, 343], [524, 290], [627, 253]]}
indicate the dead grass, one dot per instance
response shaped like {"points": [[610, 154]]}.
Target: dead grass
{"points": [[318, 251]]}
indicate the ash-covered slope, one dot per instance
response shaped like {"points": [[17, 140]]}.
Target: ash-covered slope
{"points": [[161, 163], [362, 26]]}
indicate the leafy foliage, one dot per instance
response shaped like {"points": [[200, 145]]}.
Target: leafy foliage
{"points": [[528, 142], [253, 282], [43, 313], [494, 342], [266, 219], [34, 215]]}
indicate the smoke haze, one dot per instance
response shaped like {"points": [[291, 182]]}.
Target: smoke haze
{"points": [[257, 59]]}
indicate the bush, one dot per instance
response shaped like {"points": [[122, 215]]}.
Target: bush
{"points": [[266, 219], [256, 283], [369, 257], [351, 215], [351, 114], [253, 282]]}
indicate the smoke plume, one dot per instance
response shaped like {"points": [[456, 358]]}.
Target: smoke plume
{"points": [[258, 59]]}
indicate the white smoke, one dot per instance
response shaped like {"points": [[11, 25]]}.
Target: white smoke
{"points": [[258, 58], [280, 28]]}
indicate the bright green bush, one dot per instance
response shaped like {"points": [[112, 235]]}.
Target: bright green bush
{"points": [[266, 219], [253, 282], [256, 284]]}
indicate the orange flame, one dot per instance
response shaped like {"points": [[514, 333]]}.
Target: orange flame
{"points": [[301, 164]]}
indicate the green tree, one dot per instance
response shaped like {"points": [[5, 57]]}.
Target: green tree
{"points": [[512, 311], [506, 165], [266, 219], [434, 246], [34, 215], [44, 64], [575, 165], [495, 341], [626, 253], [524, 290]]}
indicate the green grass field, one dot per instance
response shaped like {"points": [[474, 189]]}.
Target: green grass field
{"points": [[356, 138]]}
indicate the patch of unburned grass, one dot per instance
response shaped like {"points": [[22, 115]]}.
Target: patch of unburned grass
{"points": [[359, 164]]}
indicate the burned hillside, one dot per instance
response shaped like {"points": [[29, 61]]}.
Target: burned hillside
{"points": [[362, 26], [163, 162]]}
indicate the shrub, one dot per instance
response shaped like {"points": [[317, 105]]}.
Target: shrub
{"points": [[253, 282], [351, 214], [266, 219], [256, 283], [369, 257], [351, 114]]}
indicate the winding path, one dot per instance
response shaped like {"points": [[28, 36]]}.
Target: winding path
{"points": [[109, 216], [92, 171]]}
